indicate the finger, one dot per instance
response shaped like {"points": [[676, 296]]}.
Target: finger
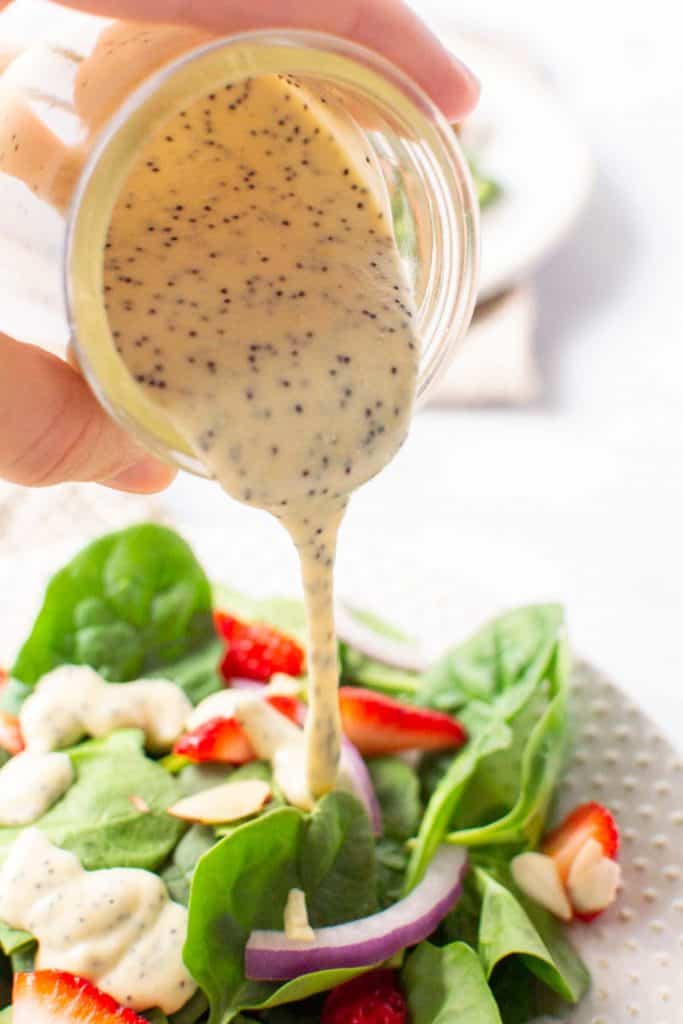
{"points": [[52, 428], [388, 26]]}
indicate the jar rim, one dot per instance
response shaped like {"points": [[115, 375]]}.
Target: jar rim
{"points": [[430, 140]]}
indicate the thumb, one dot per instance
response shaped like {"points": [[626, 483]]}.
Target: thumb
{"points": [[52, 429]]}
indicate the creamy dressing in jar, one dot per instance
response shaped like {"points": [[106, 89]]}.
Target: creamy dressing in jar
{"points": [[255, 292]]}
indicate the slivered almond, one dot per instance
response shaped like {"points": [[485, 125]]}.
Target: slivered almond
{"points": [[538, 878], [593, 879], [228, 802], [140, 804], [297, 927]]}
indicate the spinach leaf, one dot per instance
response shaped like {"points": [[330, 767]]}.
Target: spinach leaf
{"points": [[12, 940], [506, 929], [499, 692], [155, 1017], [6, 1015], [95, 818], [392, 861], [242, 883], [516, 992], [398, 790], [542, 763], [128, 604], [447, 984], [178, 874], [508, 655], [192, 1011], [197, 674], [447, 795], [337, 861]]}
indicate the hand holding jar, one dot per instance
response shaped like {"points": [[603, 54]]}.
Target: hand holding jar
{"points": [[52, 428]]}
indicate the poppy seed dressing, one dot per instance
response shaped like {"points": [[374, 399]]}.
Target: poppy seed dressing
{"points": [[255, 292]]}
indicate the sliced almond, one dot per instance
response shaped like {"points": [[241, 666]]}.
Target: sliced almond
{"points": [[297, 927], [593, 879], [221, 804], [538, 878], [140, 804]]}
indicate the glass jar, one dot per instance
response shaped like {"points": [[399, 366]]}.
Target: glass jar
{"points": [[118, 85]]}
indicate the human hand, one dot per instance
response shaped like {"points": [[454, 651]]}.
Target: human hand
{"points": [[52, 429]]}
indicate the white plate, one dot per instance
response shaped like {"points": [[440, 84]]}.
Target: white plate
{"points": [[523, 136], [619, 758]]}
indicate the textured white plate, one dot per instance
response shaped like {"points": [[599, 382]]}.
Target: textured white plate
{"points": [[618, 756], [523, 136]]}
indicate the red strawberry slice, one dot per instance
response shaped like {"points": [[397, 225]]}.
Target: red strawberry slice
{"points": [[377, 724], [11, 739], [256, 650], [224, 740], [372, 998], [54, 997], [589, 821]]}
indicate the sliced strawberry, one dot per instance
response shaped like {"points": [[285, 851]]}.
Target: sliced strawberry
{"points": [[377, 724], [589, 821], [372, 998], [256, 650], [54, 997], [11, 739], [220, 739], [224, 740]]}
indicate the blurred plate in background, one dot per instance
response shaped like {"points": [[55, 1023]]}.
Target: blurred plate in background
{"points": [[523, 137]]}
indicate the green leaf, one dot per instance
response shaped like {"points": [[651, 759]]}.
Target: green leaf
{"points": [[397, 787], [508, 655], [6, 1015], [12, 940], [197, 674], [337, 861], [447, 985], [192, 1011], [542, 764], [178, 874], [392, 860], [506, 929], [503, 669], [242, 883], [155, 1017], [447, 795], [129, 604], [96, 820]]}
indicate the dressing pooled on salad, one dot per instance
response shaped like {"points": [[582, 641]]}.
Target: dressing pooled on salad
{"points": [[255, 291]]}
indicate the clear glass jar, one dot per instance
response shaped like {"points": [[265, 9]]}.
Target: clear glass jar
{"points": [[118, 86]]}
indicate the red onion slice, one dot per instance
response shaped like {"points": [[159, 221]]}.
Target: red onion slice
{"points": [[394, 653], [271, 956], [354, 770]]}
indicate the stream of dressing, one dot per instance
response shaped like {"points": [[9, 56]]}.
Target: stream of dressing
{"points": [[255, 291]]}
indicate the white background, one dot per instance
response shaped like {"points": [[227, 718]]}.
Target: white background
{"points": [[579, 498]]}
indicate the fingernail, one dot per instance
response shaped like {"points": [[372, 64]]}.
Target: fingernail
{"points": [[467, 71], [144, 477]]}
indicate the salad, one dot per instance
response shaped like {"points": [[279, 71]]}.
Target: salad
{"points": [[155, 864]]}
